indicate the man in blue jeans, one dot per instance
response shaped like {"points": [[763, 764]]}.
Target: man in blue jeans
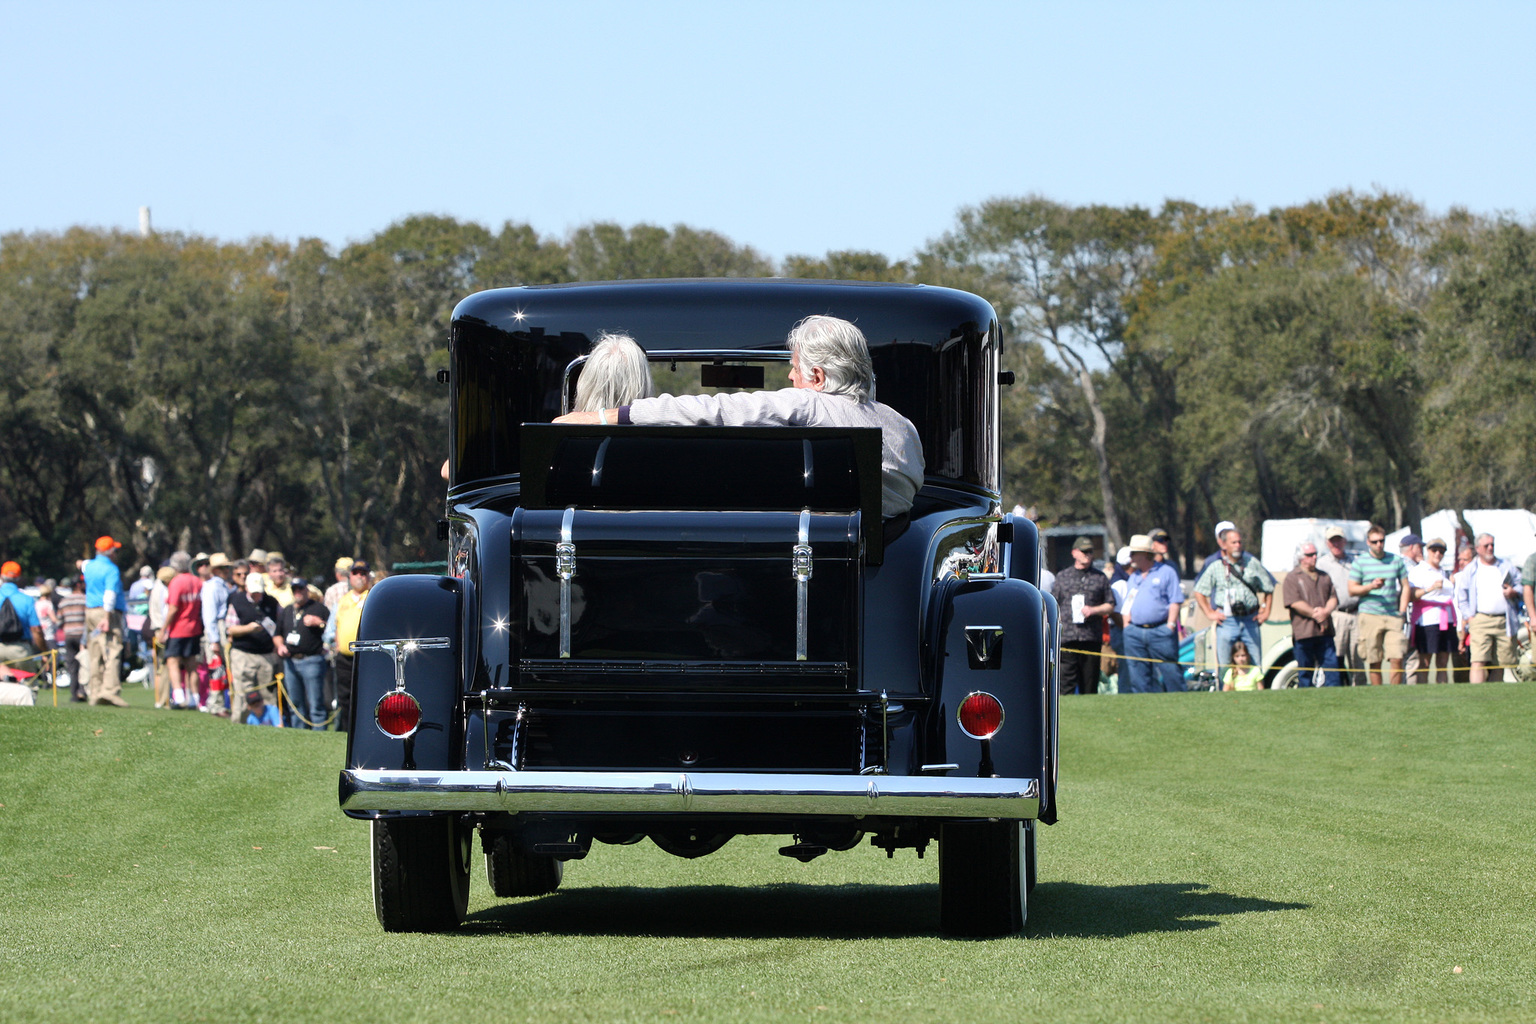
{"points": [[1151, 613], [1235, 592], [300, 627]]}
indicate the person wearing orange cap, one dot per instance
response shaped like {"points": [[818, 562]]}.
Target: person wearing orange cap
{"points": [[105, 605], [19, 623]]}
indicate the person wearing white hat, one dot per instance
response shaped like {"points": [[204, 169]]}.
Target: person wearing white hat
{"points": [[1151, 613], [1221, 548], [1334, 559]]}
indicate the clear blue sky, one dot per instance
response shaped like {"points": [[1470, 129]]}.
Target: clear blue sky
{"points": [[795, 128]]}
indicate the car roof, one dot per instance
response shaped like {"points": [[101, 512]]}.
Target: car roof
{"points": [[734, 313]]}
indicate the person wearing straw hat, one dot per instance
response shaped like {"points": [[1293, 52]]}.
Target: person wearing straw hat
{"points": [[1151, 613]]}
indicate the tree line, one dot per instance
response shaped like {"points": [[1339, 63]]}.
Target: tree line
{"points": [[1354, 356]]}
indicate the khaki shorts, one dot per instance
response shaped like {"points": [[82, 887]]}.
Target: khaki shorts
{"points": [[1490, 640], [248, 672], [1380, 635]]}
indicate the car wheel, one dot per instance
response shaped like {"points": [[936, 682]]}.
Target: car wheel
{"points": [[983, 878], [1285, 676], [512, 872], [420, 873]]}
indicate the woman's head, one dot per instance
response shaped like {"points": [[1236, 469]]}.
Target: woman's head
{"points": [[616, 373]]}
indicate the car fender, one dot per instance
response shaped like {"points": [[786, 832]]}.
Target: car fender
{"points": [[1015, 668], [419, 608]]}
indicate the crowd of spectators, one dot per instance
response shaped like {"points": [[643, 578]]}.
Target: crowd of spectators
{"points": [[1373, 618], [245, 639]]}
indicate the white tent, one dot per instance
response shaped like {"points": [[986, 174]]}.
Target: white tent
{"points": [[1281, 538]]}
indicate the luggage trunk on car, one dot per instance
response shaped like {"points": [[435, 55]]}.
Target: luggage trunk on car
{"points": [[686, 608]]}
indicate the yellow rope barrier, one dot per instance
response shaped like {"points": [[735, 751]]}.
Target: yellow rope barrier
{"points": [[282, 691], [1383, 671]]}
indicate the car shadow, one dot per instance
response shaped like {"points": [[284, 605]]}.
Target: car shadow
{"points": [[1056, 909]]}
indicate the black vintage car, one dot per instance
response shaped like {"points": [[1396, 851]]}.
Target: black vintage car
{"points": [[687, 634]]}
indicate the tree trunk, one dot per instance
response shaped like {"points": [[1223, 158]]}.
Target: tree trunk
{"points": [[1097, 442]]}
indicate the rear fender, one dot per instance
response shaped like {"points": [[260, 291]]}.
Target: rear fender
{"points": [[1015, 670], [409, 607]]}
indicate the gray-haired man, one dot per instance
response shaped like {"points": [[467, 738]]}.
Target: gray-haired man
{"points": [[1334, 560]]}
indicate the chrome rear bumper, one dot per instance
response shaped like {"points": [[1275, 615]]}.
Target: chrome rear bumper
{"points": [[688, 793]]}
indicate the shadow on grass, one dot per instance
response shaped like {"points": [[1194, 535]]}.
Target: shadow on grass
{"points": [[1066, 909], [1057, 909]]}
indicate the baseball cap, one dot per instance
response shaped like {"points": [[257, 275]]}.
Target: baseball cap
{"points": [[105, 543], [199, 558], [358, 567], [1082, 544], [1224, 526], [10, 569], [343, 563], [1159, 535], [255, 585], [1123, 556], [1410, 539], [254, 697], [1332, 532], [1436, 542]]}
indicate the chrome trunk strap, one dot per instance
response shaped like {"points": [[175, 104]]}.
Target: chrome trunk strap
{"points": [[565, 568], [800, 566]]}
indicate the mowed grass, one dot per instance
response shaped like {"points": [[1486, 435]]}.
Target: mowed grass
{"points": [[1291, 856]]}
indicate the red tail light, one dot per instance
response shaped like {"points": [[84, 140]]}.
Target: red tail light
{"points": [[398, 714], [981, 715]]}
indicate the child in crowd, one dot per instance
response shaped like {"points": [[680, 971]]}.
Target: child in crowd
{"points": [[259, 712], [1243, 673]]}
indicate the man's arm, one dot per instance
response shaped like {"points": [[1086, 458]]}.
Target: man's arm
{"points": [[37, 639], [1175, 596], [1266, 588], [1293, 597], [1402, 593]]}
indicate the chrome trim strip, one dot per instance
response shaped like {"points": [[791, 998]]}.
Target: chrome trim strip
{"points": [[367, 789], [400, 648], [565, 568], [800, 568]]}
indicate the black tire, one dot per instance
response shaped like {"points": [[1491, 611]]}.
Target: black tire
{"points": [[1031, 858], [420, 873], [983, 877], [512, 872]]}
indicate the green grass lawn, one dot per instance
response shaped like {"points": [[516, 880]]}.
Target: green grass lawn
{"points": [[1307, 856]]}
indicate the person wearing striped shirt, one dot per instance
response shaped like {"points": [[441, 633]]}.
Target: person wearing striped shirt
{"points": [[1380, 580]]}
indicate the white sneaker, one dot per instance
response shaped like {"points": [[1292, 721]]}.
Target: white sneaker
{"points": [[178, 698], [139, 675]]}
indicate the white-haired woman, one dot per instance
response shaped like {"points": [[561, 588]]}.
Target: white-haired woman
{"points": [[615, 374], [834, 386]]}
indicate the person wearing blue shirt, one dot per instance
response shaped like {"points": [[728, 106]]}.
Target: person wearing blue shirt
{"points": [[105, 604], [25, 639], [259, 712], [1150, 609]]}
